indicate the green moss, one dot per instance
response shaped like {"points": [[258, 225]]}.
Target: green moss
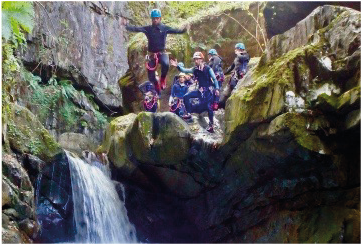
{"points": [[126, 80], [329, 101], [27, 135], [348, 98], [140, 12]]}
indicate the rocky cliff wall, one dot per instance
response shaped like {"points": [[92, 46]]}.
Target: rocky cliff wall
{"points": [[82, 41]]}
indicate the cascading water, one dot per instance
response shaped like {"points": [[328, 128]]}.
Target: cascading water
{"points": [[100, 216]]}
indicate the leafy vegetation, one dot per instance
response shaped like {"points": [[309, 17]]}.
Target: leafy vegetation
{"points": [[54, 97], [16, 16], [57, 97]]}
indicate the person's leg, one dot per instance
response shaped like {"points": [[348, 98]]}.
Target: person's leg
{"points": [[210, 113], [164, 61], [154, 108], [187, 102], [233, 82], [151, 75]]}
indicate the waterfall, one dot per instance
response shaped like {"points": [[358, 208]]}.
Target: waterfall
{"points": [[100, 216]]}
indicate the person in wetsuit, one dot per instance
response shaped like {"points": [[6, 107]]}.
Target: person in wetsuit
{"points": [[156, 35], [206, 89]]}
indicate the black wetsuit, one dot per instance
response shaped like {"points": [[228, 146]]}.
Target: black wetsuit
{"points": [[240, 65]]}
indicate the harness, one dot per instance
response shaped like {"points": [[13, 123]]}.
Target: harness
{"points": [[155, 55], [150, 104], [179, 104], [147, 59]]}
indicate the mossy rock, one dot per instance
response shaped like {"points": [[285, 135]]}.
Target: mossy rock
{"points": [[302, 128], [27, 135], [349, 99], [263, 96], [159, 138], [114, 143]]}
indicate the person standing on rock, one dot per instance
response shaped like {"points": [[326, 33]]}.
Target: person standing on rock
{"points": [[215, 62], [156, 35], [239, 65], [205, 93]]}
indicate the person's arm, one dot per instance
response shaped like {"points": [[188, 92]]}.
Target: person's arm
{"points": [[230, 69], [136, 28], [184, 70], [211, 73], [171, 30]]}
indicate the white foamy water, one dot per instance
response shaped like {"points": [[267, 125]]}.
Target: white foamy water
{"points": [[100, 216]]}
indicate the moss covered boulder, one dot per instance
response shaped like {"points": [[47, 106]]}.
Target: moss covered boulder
{"points": [[149, 138], [159, 138], [26, 134], [302, 128], [114, 144], [299, 61]]}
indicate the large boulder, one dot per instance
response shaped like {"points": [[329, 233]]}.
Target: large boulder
{"points": [[147, 138], [307, 61], [26, 134]]}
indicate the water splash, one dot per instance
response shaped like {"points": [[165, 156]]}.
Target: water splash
{"points": [[100, 216]]}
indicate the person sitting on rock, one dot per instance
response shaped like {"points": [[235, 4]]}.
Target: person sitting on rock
{"points": [[156, 35], [239, 65], [150, 102], [179, 89], [204, 75], [215, 62]]}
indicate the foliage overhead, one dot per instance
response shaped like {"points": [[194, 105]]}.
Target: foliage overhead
{"points": [[16, 16]]}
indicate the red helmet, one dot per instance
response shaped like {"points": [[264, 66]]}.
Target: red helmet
{"points": [[198, 55]]}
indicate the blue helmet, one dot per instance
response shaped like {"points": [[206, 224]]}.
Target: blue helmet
{"points": [[180, 64], [155, 13], [213, 52], [240, 46]]}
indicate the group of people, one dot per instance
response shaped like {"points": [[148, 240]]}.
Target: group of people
{"points": [[201, 82]]}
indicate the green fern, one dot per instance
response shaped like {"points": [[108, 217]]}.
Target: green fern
{"points": [[16, 16], [67, 89]]}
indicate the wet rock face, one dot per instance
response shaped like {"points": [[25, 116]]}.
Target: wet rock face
{"points": [[81, 41], [54, 205], [288, 168]]}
